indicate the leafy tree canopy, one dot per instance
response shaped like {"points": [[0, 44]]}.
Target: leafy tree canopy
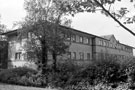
{"points": [[2, 27], [43, 20]]}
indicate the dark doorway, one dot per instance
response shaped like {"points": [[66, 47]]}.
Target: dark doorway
{"points": [[3, 54]]}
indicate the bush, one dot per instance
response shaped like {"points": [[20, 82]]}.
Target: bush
{"points": [[72, 76], [14, 75], [62, 76], [105, 71], [108, 70], [37, 80], [29, 77]]}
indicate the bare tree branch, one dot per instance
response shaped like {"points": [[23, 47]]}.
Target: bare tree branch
{"points": [[109, 7], [130, 31]]}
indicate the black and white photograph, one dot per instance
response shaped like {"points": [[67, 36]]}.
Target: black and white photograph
{"points": [[67, 44]]}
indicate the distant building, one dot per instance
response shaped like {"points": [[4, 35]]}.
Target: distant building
{"points": [[84, 48]]}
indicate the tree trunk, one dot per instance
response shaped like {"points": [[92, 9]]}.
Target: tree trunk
{"points": [[54, 61], [44, 56]]}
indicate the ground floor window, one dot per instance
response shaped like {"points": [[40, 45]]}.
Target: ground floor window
{"points": [[81, 55], [73, 55], [17, 55], [88, 56]]}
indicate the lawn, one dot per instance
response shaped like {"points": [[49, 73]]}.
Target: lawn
{"points": [[16, 87]]}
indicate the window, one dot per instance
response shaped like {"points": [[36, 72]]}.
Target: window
{"points": [[67, 36], [77, 38], [81, 39], [81, 55], [100, 42], [85, 40], [107, 44], [123, 48], [73, 55], [88, 56], [73, 38], [104, 43], [17, 55]]}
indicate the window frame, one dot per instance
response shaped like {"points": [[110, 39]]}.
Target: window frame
{"points": [[18, 55], [88, 56], [101, 42], [73, 38], [73, 55], [85, 40], [80, 39], [81, 54], [77, 39]]}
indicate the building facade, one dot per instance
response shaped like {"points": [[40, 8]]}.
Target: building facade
{"points": [[83, 48]]}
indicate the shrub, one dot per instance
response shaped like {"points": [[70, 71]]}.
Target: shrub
{"points": [[70, 76], [80, 86], [106, 71], [37, 80], [86, 74], [111, 70], [14, 75], [63, 75]]}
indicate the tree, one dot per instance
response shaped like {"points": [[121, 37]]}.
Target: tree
{"points": [[43, 20], [2, 27], [56, 45], [2, 30], [102, 5]]}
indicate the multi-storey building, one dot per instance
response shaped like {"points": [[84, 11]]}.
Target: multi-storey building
{"points": [[84, 48]]}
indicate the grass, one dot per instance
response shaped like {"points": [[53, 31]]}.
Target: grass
{"points": [[16, 87]]}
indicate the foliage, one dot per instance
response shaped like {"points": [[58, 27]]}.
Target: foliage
{"points": [[63, 75], [14, 75], [2, 27], [33, 80], [42, 21], [109, 70], [103, 74]]}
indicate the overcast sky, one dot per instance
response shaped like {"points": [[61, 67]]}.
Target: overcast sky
{"points": [[97, 24]]}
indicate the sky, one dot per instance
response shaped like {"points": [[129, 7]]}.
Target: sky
{"points": [[93, 23]]}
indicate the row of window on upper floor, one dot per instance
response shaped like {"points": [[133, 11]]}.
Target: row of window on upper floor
{"points": [[113, 45], [71, 37], [86, 40], [78, 39]]}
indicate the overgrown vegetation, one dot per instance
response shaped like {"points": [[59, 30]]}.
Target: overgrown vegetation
{"points": [[103, 74], [42, 24]]}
